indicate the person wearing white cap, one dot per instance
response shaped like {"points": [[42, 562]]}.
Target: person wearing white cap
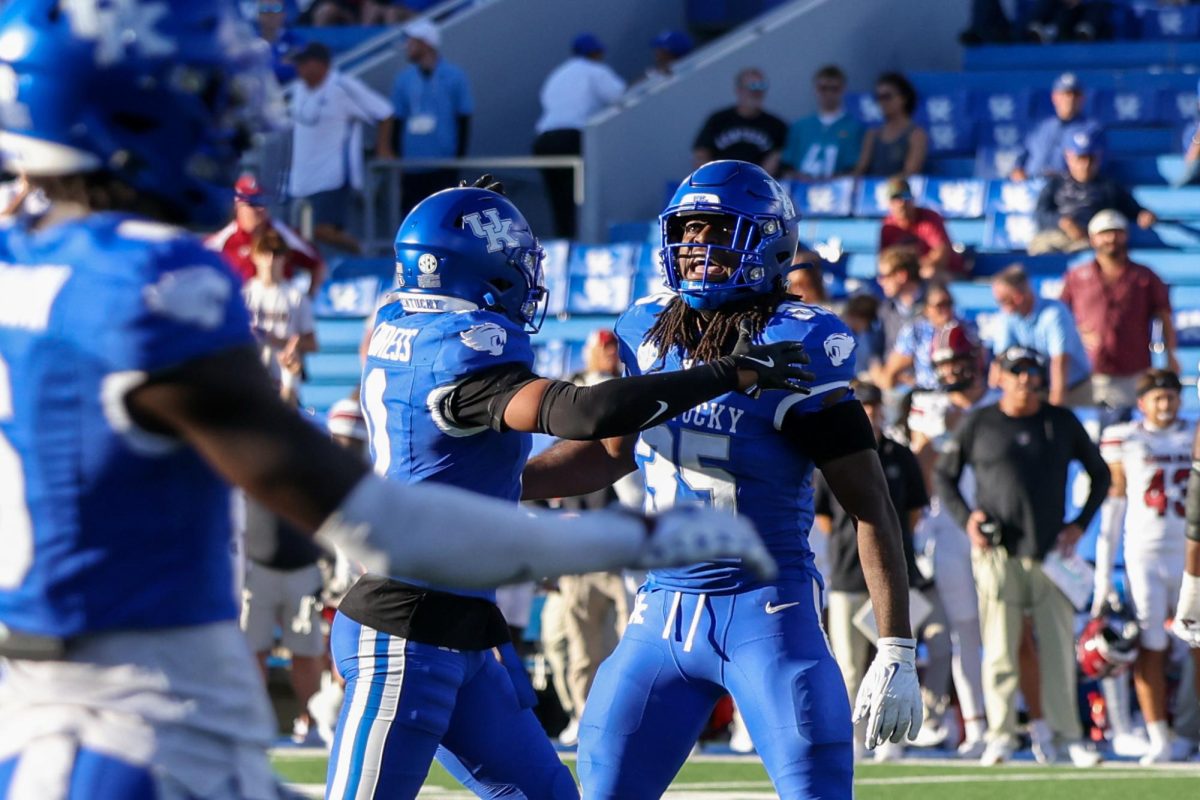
{"points": [[1115, 301], [433, 107]]}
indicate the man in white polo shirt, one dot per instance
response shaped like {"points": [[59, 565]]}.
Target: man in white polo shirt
{"points": [[328, 112], [577, 89]]}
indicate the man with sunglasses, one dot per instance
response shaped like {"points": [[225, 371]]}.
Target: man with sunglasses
{"points": [[825, 144], [744, 131], [450, 397], [1020, 450]]}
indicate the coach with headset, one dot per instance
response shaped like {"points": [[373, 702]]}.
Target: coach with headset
{"points": [[1020, 450]]}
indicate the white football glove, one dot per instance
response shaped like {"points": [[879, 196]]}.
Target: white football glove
{"points": [[1186, 624], [890, 695], [691, 534]]}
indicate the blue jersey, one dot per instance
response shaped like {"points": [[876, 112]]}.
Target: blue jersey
{"points": [[729, 453], [102, 526], [414, 361]]}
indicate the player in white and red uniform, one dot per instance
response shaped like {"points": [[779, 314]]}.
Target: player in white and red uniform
{"points": [[958, 362], [1150, 461]]}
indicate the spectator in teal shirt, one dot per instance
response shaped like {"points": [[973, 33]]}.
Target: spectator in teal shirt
{"points": [[826, 144], [1047, 326], [433, 115]]}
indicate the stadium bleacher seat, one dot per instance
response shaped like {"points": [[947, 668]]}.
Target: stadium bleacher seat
{"points": [[825, 199], [1170, 203], [940, 108], [333, 366], [995, 162], [952, 138], [970, 297], [864, 108], [999, 135], [863, 266], [955, 198], [554, 268], [989, 263], [1002, 106], [1175, 267], [1171, 22], [1010, 197], [951, 167], [340, 334], [601, 277], [1140, 141], [870, 195], [1007, 231]]}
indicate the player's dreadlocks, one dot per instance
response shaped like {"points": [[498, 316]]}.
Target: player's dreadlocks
{"points": [[706, 339]]}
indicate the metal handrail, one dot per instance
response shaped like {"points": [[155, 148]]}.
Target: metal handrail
{"points": [[389, 170]]}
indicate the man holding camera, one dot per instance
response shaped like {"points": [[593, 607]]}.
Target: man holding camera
{"points": [[1020, 450]]}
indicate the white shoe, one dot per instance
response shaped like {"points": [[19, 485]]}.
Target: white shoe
{"points": [[1130, 745], [931, 736], [1182, 748], [996, 752], [1083, 756], [306, 735], [1042, 742], [739, 738], [972, 750], [1158, 753], [325, 706], [570, 734], [889, 751]]}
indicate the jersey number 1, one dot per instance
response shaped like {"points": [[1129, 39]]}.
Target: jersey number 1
{"points": [[16, 528]]}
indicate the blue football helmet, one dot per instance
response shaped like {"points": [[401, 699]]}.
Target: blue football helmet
{"points": [[474, 246], [758, 242], [163, 96]]}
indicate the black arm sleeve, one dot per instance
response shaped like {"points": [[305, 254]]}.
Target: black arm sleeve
{"points": [[480, 399], [949, 469], [830, 433], [1089, 455], [627, 405]]}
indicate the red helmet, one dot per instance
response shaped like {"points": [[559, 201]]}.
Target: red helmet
{"points": [[955, 343], [1107, 646]]}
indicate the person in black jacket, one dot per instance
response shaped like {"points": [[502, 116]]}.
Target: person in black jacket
{"points": [[1020, 450]]}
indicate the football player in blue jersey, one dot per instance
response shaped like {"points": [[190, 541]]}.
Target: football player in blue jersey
{"points": [[697, 632], [130, 393], [450, 397]]}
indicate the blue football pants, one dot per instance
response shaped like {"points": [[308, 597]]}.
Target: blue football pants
{"points": [[407, 703], [680, 653]]}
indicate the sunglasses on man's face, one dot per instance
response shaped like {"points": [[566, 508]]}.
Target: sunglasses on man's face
{"points": [[1025, 368]]}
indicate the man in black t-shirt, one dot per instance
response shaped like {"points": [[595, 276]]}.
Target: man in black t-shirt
{"points": [[744, 131], [1020, 450], [847, 585]]}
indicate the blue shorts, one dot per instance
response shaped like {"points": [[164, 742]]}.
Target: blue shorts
{"points": [[407, 703], [680, 654]]}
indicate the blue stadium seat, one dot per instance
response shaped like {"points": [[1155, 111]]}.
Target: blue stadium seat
{"points": [[1171, 22], [970, 297], [549, 357], [986, 264], [1176, 267], [648, 278], [554, 269], [826, 199], [1141, 141], [340, 334], [1178, 235], [333, 367], [645, 230], [952, 138], [353, 286], [941, 108], [1187, 330], [870, 195], [863, 266], [1009, 231], [601, 277], [955, 198], [1170, 203], [863, 107], [967, 232], [1185, 297], [950, 167], [995, 162], [1124, 106], [1093, 56], [1002, 106], [1177, 104], [1002, 135], [855, 235], [320, 396], [1010, 197]]}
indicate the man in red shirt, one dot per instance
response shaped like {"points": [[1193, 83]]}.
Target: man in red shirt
{"points": [[1114, 301], [250, 215], [921, 228]]}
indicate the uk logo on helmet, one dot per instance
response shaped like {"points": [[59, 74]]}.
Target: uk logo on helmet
{"points": [[495, 230]]}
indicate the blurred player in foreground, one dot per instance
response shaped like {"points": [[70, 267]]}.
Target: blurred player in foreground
{"points": [[130, 388], [698, 632]]}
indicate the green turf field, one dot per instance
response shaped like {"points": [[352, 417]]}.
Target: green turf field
{"points": [[733, 778]]}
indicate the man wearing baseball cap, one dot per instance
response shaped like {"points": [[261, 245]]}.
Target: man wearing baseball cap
{"points": [[432, 105], [251, 214], [1115, 301], [1042, 153], [1068, 202], [920, 228]]}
